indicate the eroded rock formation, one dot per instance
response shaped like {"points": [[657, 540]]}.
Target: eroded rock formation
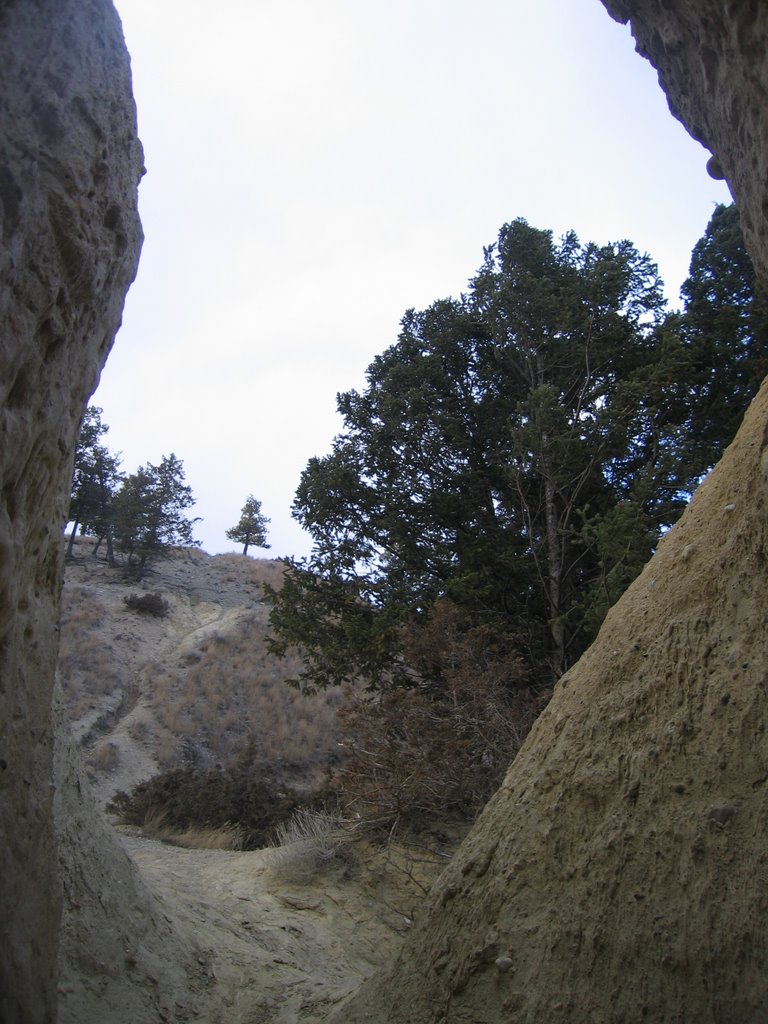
{"points": [[621, 873], [712, 61], [70, 163]]}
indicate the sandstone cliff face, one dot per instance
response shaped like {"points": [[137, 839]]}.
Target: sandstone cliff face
{"points": [[70, 163], [712, 61], [621, 872]]}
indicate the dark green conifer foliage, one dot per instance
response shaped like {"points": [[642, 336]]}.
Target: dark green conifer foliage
{"points": [[251, 529], [95, 478], [516, 452], [149, 512], [724, 331]]}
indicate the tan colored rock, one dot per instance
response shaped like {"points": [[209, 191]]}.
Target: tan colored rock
{"points": [[70, 163], [712, 61], [621, 872]]}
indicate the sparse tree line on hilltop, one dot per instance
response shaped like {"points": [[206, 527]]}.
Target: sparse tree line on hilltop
{"points": [[139, 514], [143, 514]]}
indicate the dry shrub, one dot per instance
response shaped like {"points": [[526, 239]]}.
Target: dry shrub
{"points": [[441, 748], [254, 571], [81, 610], [233, 697], [148, 604], [223, 837], [86, 666], [309, 841], [105, 757], [138, 730], [190, 799], [168, 750]]}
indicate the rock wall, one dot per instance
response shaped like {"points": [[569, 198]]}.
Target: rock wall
{"points": [[621, 872], [70, 163], [712, 60]]}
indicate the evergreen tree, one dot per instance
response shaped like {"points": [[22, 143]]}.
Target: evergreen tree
{"points": [[484, 460], [724, 334], [95, 478], [519, 451], [251, 529], [149, 512]]}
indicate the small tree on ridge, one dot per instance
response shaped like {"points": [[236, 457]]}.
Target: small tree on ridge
{"points": [[96, 475], [252, 527]]}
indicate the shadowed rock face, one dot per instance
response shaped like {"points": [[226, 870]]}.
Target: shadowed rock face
{"points": [[70, 237], [621, 874], [712, 61]]}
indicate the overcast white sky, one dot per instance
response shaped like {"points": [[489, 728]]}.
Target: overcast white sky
{"points": [[316, 167]]}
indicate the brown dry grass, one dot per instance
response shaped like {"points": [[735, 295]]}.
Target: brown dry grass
{"points": [[206, 704], [229, 695], [308, 842], [200, 837], [105, 757], [86, 665], [256, 571]]}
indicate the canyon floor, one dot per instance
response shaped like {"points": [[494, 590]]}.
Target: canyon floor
{"points": [[204, 934], [249, 946]]}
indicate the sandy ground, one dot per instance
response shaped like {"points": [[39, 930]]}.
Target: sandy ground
{"points": [[275, 949], [153, 932], [228, 938], [270, 949]]}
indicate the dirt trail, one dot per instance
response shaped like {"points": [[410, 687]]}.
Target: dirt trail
{"points": [[153, 932], [135, 759], [270, 949], [205, 595]]}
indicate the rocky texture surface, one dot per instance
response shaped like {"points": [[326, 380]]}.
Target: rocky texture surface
{"points": [[712, 61], [621, 872], [70, 163]]}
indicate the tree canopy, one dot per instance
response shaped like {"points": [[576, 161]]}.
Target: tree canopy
{"points": [[96, 474], [149, 511], [517, 452], [142, 514], [724, 336], [251, 529]]}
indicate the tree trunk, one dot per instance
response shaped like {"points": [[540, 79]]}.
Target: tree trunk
{"points": [[110, 549], [554, 575]]}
